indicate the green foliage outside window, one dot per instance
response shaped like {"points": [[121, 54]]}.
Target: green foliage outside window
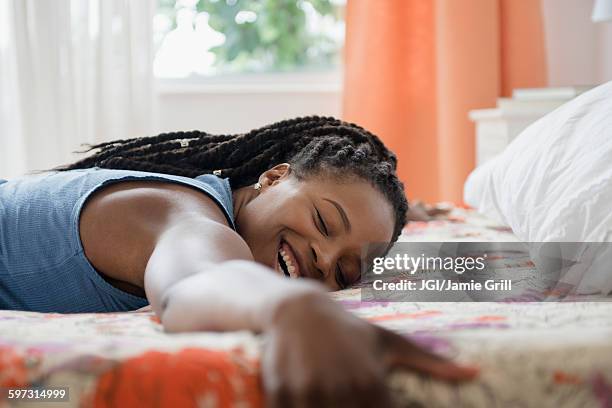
{"points": [[270, 35]]}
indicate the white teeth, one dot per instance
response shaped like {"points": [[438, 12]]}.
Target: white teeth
{"points": [[290, 266], [287, 259]]}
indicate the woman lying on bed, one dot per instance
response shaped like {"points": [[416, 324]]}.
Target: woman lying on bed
{"points": [[214, 232]]}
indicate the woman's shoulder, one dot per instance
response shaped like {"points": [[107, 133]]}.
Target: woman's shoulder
{"points": [[165, 192], [131, 216], [157, 198], [80, 185]]}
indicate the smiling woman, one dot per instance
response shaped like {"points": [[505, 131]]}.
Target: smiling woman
{"points": [[303, 227], [206, 228]]}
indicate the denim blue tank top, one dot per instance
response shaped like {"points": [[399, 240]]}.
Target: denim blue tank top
{"points": [[42, 263]]}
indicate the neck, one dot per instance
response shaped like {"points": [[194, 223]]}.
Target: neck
{"points": [[241, 198]]}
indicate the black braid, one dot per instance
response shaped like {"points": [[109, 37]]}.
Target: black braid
{"points": [[312, 145]]}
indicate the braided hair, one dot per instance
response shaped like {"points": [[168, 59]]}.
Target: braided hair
{"points": [[312, 145]]}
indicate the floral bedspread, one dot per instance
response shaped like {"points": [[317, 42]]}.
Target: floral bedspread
{"points": [[530, 354]]}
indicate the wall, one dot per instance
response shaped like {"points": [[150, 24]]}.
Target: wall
{"points": [[239, 104], [604, 53], [579, 52]]}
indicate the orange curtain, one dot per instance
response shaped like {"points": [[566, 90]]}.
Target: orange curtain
{"points": [[414, 68]]}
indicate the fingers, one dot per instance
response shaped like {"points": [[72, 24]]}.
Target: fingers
{"points": [[437, 211], [417, 214], [442, 369], [278, 398], [404, 354], [358, 395]]}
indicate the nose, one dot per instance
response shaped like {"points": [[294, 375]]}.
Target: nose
{"points": [[325, 256]]}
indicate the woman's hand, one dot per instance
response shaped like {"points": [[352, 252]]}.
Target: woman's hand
{"points": [[420, 211], [319, 355]]}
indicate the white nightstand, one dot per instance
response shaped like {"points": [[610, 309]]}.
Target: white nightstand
{"points": [[497, 127]]}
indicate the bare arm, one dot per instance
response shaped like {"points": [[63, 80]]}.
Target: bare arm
{"points": [[196, 271], [315, 351], [201, 276]]}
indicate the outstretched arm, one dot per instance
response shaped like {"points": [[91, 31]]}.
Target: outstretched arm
{"points": [[316, 353], [201, 276]]}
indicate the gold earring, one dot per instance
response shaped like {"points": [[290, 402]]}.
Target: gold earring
{"points": [[257, 186]]}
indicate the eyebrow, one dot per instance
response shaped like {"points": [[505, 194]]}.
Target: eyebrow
{"points": [[345, 220]]}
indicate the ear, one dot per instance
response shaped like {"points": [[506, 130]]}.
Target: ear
{"points": [[275, 174]]}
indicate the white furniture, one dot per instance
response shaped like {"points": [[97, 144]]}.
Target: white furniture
{"points": [[497, 127]]}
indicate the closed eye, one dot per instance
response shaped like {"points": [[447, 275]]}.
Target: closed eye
{"points": [[321, 224], [340, 278]]}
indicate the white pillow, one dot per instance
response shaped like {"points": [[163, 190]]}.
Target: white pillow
{"points": [[554, 181]]}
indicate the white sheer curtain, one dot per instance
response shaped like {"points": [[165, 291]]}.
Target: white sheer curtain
{"points": [[71, 72]]}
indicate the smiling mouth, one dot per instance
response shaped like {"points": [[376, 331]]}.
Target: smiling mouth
{"points": [[287, 261]]}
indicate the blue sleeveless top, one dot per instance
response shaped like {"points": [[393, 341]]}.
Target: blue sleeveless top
{"points": [[43, 266]]}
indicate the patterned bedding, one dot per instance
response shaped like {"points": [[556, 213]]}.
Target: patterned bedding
{"points": [[530, 354]]}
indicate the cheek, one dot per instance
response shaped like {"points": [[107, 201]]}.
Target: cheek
{"points": [[263, 215]]}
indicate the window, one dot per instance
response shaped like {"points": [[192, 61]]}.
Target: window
{"points": [[197, 38]]}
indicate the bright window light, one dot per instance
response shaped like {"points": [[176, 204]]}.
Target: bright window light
{"points": [[212, 37]]}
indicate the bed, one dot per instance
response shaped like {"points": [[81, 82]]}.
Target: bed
{"points": [[530, 354]]}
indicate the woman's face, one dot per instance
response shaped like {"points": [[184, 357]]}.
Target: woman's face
{"points": [[313, 228]]}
